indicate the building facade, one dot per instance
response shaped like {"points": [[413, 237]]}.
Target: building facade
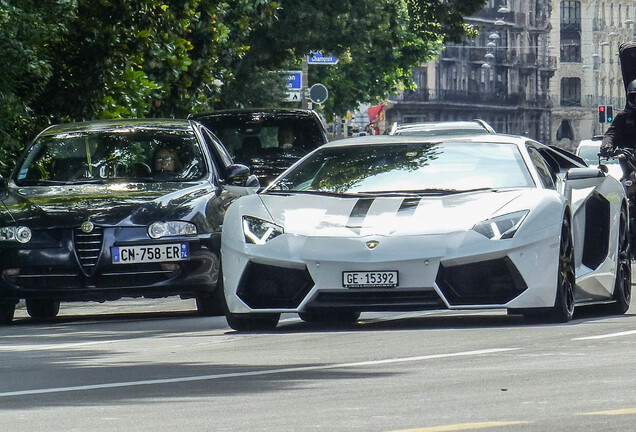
{"points": [[588, 34], [503, 76]]}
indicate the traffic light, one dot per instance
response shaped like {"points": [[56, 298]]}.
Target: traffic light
{"points": [[609, 113], [601, 113]]}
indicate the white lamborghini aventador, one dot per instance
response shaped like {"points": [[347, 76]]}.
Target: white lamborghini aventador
{"points": [[403, 223]]}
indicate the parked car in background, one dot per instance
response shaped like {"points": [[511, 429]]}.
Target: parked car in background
{"points": [[403, 223], [442, 128], [267, 140], [101, 210], [588, 150]]}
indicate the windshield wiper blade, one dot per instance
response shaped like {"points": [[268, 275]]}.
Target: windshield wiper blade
{"points": [[85, 181], [420, 192]]}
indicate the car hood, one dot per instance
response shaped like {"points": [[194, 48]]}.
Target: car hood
{"points": [[105, 205], [304, 214]]}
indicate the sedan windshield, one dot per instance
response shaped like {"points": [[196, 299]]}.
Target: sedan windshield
{"points": [[403, 168], [115, 155]]}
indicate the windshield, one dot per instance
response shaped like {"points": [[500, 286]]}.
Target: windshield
{"points": [[382, 168], [249, 136], [100, 156]]}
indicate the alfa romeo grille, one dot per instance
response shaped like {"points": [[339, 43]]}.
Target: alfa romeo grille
{"points": [[88, 246]]}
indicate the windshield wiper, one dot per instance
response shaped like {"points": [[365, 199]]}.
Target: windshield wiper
{"points": [[428, 191], [85, 181], [40, 182]]}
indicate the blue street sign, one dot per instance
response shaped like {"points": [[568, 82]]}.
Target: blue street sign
{"points": [[320, 58], [294, 80]]}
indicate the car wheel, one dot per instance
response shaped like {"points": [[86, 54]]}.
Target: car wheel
{"points": [[330, 316], [7, 310], [623, 285], [209, 304], [252, 322], [42, 308], [563, 309], [246, 322]]}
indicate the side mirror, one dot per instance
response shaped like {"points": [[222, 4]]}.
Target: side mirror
{"points": [[584, 173], [239, 175]]}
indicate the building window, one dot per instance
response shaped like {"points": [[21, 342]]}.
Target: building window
{"points": [[571, 31], [570, 92]]}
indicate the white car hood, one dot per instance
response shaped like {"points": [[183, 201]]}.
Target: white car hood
{"points": [[315, 215]]}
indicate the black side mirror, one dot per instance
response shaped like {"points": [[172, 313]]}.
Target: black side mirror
{"points": [[237, 175]]}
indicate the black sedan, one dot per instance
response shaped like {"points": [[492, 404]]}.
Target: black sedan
{"points": [[101, 210]]}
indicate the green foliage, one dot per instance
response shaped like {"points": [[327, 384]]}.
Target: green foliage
{"points": [[71, 60]]}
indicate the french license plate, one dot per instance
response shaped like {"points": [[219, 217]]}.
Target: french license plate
{"points": [[149, 253], [370, 279]]}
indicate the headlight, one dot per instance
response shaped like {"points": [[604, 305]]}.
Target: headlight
{"points": [[501, 227], [171, 229], [19, 234], [259, 231]]}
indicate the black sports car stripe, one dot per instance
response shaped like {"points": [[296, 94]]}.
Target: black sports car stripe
{"points": [[408, 206], [358, 213]]}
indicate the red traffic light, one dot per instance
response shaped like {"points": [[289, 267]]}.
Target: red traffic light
{"points": [[601, 113]]}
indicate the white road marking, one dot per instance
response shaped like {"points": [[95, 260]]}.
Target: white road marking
{"points": [[607, 336], [254, 373]]}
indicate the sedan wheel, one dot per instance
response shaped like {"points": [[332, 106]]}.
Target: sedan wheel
{"points": [[42, 308], [7, 310], [330, 316], [252, 322], [563, 309], [209, 305], [623, 284]]}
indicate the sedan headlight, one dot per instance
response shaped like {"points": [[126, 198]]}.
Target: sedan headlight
{"points": [[171, 229], [501, 227], [259, 231], [20, 234]]}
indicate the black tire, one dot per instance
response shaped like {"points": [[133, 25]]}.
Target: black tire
{"points": [[246, 322], [252, 321], [210, 304], [623, 285], [7, 310], [563, 309], [330, 316], [42, 308]]}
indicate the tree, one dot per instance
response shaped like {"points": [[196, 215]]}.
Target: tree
{"points": [[69, 60]]}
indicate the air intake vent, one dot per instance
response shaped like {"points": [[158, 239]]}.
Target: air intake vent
{"points": [[88, 246]]}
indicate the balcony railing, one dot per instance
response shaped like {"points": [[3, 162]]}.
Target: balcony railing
{"points": [[479, 97]]}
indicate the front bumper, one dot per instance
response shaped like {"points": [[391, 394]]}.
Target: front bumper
{"points": [[57, 268], [456, 271]]}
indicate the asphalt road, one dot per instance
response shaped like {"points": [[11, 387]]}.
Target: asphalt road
{"points": [[154, 365]]}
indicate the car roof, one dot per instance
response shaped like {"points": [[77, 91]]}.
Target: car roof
{"points": [[406, 139], [260, 112], [117, 124], [472, 125]]}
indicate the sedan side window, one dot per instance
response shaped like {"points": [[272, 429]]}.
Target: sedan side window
{"points": [[546, 174]]}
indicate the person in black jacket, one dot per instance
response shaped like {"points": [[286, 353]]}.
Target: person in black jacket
{"points": [[622, 131]]}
